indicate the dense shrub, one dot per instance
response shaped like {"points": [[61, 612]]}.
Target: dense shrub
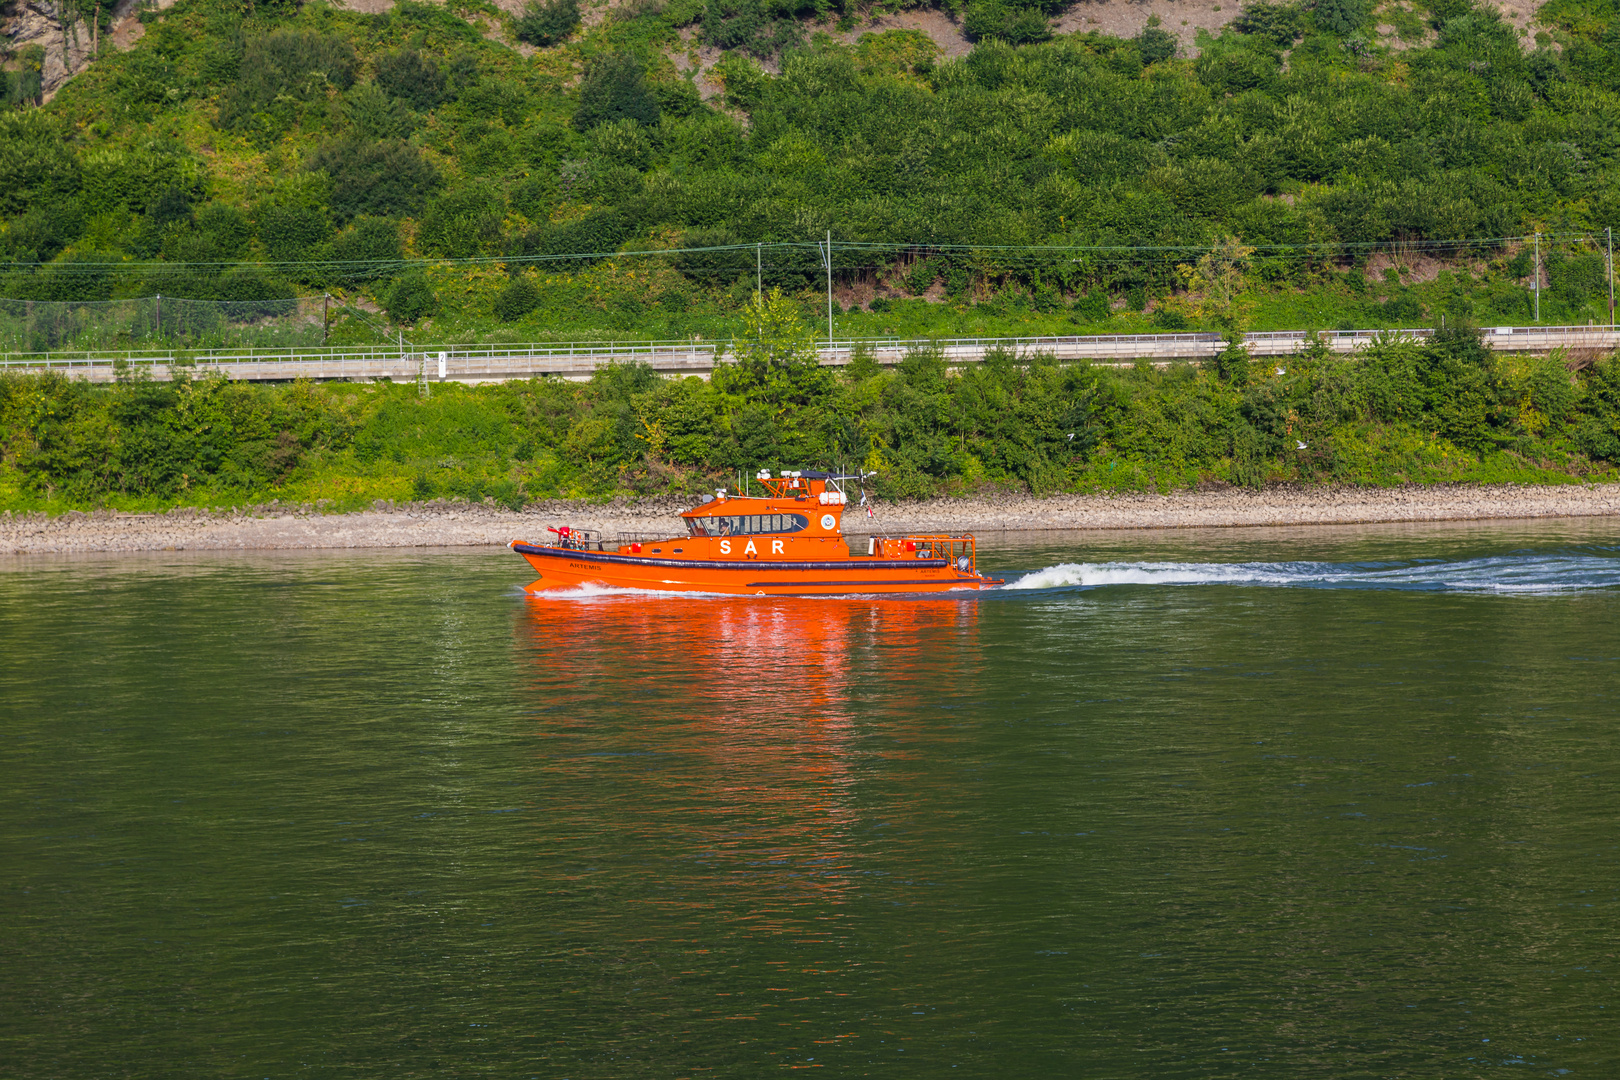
{"points": [[281, 75], [547, 22], [614, 88], [384, 179], [373, 115], [462, 222], [35, 161], [516, 300], [753, 26], [411, 77], [1280, 24], [411, 298], [365, 251], [291, 231], [1155, 45]]}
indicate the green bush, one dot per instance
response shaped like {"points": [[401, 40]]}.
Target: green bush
{"points": [[373, 115], [713, 267], [412, 78], [1280, 24], [462, 222], [291, 231], [282, 75], [752, 26], [1094, 307], [1156, 45], [546, 22], [614, 88], [383, 179], [516, 300], [365, 251], [411, 298], [1341, 17]]}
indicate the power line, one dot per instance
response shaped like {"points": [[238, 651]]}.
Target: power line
{"points": [[1095, 254]]}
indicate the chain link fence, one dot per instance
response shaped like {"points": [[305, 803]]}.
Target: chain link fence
{"points": [[36, 326]]}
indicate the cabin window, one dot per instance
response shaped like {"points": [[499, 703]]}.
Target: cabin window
{"points": [[747, 525]]}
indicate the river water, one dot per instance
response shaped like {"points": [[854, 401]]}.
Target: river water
{"points": [[1227, 804]]}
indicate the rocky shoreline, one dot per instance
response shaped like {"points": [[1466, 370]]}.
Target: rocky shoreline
{"points": [[443, 524]]}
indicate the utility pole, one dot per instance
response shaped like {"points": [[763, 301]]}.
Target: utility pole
{"points": [[759, 276], [1538, 279], [326, 315], [826, 260], [1609, 233]]}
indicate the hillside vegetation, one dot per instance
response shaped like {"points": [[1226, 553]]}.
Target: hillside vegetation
{"points": [[1301, 171], [1447, 410], [253, 151]]}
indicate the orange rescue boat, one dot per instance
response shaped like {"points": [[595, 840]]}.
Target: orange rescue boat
{"points": [[788, 542]]}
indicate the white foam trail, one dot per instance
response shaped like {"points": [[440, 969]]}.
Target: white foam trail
{"points": [[1523, 573], [1089, 575]]}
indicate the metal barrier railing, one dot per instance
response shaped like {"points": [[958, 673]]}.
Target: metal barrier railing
{"points": [[544, 357]]}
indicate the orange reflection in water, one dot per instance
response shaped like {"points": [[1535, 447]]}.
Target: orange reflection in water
{"points": [[767, 716]]}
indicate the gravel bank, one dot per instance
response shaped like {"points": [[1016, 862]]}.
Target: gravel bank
{"points": [[459, 525]]}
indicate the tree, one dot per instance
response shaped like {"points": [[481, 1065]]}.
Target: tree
{"points": [[411, 298], [614, 88], [775, 362], [384, 179], [546, 24], [1216, 284], [1155, 45], [412, 78]]}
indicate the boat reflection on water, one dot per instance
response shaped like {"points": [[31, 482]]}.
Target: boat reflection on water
{"points": [[720, 735]]}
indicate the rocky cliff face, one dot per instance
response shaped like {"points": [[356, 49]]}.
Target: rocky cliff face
{"points": [[38, 23]]}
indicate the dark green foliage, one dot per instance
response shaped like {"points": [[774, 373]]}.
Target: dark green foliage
{"points": [[1280, 24], [600, 233], [164, 439], [1156, 45], [384, 179], [289, 232], [411, 77], [614, 88], [462, 222], [367, 250], [1598, 432], [1012, 23], [226, 230], [372, 114], [713, 267], [24, 86], [35, 162], [547, 22], [281, 75], [1340, 16], [496, 99], [516, 300], [1093, 307], [411, 298], [257, 293], [754, 26]]}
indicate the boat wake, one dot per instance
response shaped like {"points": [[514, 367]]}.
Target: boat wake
{"points": [[1529, 572]]}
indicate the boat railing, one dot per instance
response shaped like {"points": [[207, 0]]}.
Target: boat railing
{"points": [[647, 537], [576, 539], [962, 552]]}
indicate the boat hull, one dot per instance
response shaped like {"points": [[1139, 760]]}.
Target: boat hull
{"points": [[566, 568]]}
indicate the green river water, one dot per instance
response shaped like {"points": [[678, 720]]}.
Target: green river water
{"points": [[1222, 804]]}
